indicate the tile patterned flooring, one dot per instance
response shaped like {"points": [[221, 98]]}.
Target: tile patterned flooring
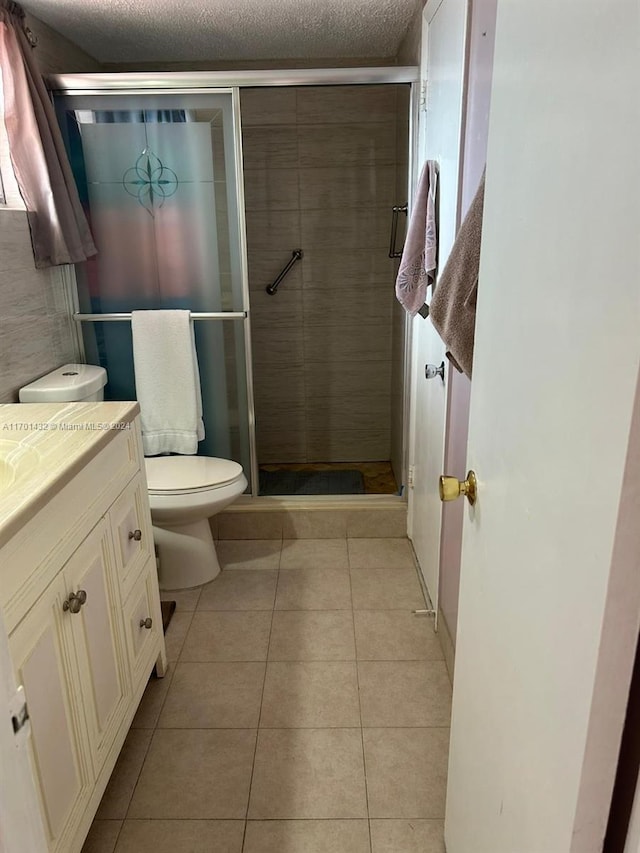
{"points": [[306, 710]]}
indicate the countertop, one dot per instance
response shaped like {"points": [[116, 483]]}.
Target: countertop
{"points": [[43, 445]]}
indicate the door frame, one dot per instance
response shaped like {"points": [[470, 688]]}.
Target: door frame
{"points": [[419, 116]]}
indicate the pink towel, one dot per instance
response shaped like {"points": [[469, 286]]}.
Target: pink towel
{"points": [[453, 307], [420, 254]]}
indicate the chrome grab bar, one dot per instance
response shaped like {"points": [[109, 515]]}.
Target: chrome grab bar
{"points": [[403, 208], [296, 255]]}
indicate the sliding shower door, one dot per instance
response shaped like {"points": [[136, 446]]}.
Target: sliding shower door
{"points": [[160, 178]]}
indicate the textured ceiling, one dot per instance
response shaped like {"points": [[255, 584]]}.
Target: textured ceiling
{"points": [[209, 30]]}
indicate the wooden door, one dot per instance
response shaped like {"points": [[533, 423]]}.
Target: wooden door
{"points": [[550, 589]]}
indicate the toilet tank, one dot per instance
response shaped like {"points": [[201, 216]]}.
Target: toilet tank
{"points": [[71, 383]]}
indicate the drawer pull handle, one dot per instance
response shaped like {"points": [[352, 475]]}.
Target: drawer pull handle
{"points": [[146, 623], [75, 601], [135, 534]]}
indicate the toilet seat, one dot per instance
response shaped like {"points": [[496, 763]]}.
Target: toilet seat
{"points": [[179, 475]]}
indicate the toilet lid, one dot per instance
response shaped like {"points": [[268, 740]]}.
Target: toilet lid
{"points": [[189, 473]]}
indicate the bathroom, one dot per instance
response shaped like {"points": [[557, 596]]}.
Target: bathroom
{"points": [[302, 697], [312, 378]]}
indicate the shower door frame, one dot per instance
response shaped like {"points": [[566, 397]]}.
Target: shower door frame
{"points": [[225, 82]]}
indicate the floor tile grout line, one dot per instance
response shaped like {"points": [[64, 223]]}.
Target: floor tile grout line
{"points": [[133, 792], [364, 763], [119, 832], [355, 660], [173, 665], [264, 682]]}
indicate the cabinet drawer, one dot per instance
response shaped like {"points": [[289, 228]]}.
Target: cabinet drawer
{"points": [[143, 642], [132, 536]]}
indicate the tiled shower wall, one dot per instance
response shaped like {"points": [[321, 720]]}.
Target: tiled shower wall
{"points": [[321, 166]]}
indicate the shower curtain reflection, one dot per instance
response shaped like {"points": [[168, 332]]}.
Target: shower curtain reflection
{"points": [[159, 187]]}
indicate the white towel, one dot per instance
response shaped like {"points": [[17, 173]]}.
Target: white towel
{"points": [[167, 381]]}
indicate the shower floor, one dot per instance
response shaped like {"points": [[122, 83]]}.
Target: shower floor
{"points": [[378, 476]]}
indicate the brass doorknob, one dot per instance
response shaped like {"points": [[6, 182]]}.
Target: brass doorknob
{"points": [[451, 488]]}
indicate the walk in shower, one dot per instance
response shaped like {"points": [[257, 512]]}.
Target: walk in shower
{"points": [[199, 197]]}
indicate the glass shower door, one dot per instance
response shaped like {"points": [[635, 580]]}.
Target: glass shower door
{"points": [[158, 176]]}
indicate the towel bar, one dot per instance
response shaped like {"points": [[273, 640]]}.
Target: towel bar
{"points": [[196, 315], [403, 208]]}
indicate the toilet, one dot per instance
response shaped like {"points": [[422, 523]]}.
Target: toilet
{"points": [[184, 491]]}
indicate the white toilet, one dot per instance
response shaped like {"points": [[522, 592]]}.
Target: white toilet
{"points": [[184, 491]]}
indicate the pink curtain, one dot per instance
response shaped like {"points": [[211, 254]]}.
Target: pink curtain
{"points": [[59, 230]]}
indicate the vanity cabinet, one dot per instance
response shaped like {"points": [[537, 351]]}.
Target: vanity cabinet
{"points": [[85, 629]]}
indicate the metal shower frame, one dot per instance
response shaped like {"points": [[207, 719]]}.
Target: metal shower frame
{"points": [[231, 82]]}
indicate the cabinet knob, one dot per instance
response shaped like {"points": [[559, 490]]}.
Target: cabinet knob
{"points": [[135, 534], [75, 601], [146, 623]]}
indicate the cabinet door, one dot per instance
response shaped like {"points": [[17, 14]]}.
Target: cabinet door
{"points": [[143, 624], [42, 653], [98, 639]]}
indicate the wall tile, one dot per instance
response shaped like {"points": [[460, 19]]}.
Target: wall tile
{"points": [[338, 187], [353, 228], [25, 292], [283, 308], [326, 343], [277, 448], [314, 524], [250, 525], [361, 269], [31, 346], [280, 420], [15, 244], [271, 189], [347, 144], [384, 523], [332, 104], [402, 125], [371, 445], [347, 378], [278, 346], [270, 147], [340, 306], [272, 232], [264, 105], [345, 413], [274, 387]]}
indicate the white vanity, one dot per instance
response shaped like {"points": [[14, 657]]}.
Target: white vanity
{"points": [[78, 594]]}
